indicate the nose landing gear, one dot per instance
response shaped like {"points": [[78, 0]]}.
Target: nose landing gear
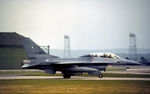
{"points": [[100, 75]]}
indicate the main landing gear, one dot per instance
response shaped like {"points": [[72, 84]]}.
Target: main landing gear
{"points": [[100, 75], [67, 76]]}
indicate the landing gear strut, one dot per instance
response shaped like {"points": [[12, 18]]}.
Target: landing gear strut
{"points": [[67, 76], [100, 75]]}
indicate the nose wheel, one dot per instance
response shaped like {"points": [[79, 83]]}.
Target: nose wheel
{"points": [[100, 75]]}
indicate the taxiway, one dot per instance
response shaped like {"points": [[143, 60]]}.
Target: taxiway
{"points": [[5, 77]]}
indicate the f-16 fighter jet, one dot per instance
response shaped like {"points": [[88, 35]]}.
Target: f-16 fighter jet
{"points": [[92, 63]]}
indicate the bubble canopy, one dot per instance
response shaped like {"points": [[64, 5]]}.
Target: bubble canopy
{"points": [[102, 55]]}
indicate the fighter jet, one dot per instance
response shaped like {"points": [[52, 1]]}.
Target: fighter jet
{"points": [[92, 63]]}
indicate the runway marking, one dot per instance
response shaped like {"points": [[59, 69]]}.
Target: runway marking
{"points": [[72, 78]]}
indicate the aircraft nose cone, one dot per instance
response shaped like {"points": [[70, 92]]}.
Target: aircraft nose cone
{"points": [[132, 62]]}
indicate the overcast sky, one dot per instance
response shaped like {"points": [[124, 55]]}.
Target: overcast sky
{"points": [[91, 24]]}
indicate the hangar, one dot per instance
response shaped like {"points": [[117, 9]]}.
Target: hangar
{"points": [[11, 50]]}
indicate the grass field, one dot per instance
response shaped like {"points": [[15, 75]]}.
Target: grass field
{"points": [[115, 68], [73, 87], [41, 73]]}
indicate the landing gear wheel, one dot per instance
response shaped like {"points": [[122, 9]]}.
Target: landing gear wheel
{"points": [[100, 75], [67, 76]]}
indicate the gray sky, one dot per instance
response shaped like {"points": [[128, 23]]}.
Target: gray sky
{"points": [[91, 24]]}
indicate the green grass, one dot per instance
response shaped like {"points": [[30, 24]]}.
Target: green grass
{"points": [[115, 69], [38, 73], [11, 58], [26, 73], [125, 75], [73, 87]]}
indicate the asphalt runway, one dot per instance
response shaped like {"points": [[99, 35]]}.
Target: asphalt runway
{"points": [[2, 77], [140, 70]]}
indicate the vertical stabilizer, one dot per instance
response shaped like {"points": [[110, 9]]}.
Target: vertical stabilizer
{"points": [[32, 48]]}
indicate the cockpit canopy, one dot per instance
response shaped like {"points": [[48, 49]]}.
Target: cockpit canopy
{"points": [[103, 55]]}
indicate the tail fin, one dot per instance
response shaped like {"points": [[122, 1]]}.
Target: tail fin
{"points": [[31, 48]]}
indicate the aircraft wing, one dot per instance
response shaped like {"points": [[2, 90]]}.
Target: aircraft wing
{"points": [[36, 63], [80, 63]]}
